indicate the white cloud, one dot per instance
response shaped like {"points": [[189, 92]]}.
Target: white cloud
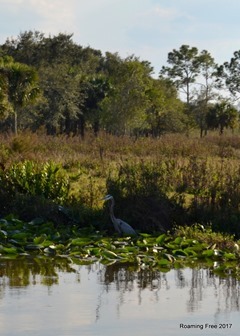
{"points": [[147, 28], [9, 2], [47, 16], [55, 15], [166, 13]]}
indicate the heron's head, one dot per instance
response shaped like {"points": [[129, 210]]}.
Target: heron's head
{"points": [[107, 198]]}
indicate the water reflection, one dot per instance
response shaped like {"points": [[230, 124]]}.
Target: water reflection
{"points": [[96, 298], [197, 281], [25, 271]]}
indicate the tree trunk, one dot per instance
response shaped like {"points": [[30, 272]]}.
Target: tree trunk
{"points": [[15, 123]]}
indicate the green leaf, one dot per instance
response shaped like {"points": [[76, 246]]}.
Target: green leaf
{"points": [[190, 251], [179, 252], [39, 240], [9, 250], [169, 257], [178, 240], [164, 262], [230, 256], [95, 251], [47, 243], [20, 236], [160, 239], [145, 235], [208, 253], [3, 234], [109, 254], [80, 241]]}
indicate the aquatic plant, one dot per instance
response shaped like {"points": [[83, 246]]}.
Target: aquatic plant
{"points": [[88, 246]]}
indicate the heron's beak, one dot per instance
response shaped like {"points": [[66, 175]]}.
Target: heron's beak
{"points": [[106, 198]]}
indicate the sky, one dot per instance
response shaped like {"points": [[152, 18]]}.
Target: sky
{"points": [[149, 29]]}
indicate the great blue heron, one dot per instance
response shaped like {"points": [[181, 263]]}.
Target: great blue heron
{"points": [[120, 226]]}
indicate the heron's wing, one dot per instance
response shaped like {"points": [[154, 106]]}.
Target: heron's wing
{"points": [[125, 227]]}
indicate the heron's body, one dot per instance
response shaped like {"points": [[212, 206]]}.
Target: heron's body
{"points": [[120, 226]]}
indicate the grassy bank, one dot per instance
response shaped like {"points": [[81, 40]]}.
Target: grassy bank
{"points": [[158, 184]]}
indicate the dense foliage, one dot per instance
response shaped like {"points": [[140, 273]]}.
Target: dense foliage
{"points": [[53, 84]]}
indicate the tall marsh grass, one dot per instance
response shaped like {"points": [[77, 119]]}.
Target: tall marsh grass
{"points": [[157, 183]]}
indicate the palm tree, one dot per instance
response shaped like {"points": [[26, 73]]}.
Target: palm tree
{"points": [[19, 86]]}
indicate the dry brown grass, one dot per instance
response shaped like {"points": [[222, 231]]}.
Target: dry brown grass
{"points": [[199, 175]]}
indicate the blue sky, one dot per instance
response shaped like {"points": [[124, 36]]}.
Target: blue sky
{"points": [[148, 29]]}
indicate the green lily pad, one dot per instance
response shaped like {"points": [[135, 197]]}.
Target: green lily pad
{"points": [[9, 250], [230, 256], [208, 253], [109, 254], [160, 239]]}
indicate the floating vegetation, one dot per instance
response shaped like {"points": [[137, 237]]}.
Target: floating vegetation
{"points": [[86, 246]]}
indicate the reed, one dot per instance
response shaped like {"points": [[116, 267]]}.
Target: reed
{"points": [[158, 183]]}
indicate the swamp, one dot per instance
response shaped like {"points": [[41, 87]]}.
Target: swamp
{"points": [[77, 124], [63, 263]]}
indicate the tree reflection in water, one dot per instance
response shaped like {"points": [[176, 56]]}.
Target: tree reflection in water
{"points": [[226, 290], [199, 281], [129, 278], [26, 271]]}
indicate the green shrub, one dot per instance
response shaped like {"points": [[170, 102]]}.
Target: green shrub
{"points": [[144, 192], [29, 178]]}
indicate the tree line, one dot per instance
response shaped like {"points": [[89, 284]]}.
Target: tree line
{"points": [[51, 83]]}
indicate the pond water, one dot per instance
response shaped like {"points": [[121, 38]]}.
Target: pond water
{"points": [[46, 296]]}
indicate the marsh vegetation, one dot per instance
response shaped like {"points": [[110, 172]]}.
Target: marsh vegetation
{"points": [[181, 194], [77, 124]]}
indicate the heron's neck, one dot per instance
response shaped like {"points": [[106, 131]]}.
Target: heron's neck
{"points": [[111, 210], [113, 218]]}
